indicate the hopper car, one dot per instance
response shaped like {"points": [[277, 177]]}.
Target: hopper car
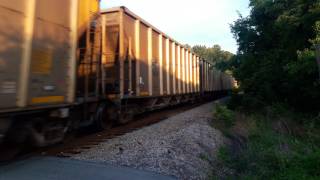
{"points": [[65, 64]]}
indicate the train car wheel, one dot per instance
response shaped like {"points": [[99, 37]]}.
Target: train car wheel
{"points": [[48, 132], [105, 117], [125, 117]]}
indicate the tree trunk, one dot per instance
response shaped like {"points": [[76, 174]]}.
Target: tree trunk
{"points": [[318, 57]]}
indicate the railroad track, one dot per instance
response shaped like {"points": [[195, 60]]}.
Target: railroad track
{"points": [[77, 143], [88, 141]]}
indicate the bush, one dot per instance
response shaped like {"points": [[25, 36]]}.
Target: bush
{"points": [[303, 85], [245, 102], [276, 61], [224, 115], [273, 154]]}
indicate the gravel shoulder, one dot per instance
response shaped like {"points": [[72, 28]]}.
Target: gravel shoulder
{"points": [[182, 146]]}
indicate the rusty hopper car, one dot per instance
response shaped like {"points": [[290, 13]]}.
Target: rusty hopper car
{"points": [[38, 63], [214, 83], [144, 69], [63, 65]]}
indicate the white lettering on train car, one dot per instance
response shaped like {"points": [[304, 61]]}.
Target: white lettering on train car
{"points": [[8, 87]]}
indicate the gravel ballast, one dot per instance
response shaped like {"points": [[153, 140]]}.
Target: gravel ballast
{"points": [[183, 146]]}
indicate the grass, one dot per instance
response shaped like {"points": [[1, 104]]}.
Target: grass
{"points": [[279, 144], [223, 116], [204, 157]]}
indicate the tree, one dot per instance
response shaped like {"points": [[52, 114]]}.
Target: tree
{"points": [[215, 55], [274, 62], [317, 47], [316, 43], [187, 46]]}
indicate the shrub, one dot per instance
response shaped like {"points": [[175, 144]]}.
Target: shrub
{"points": [[270, 154], [224, 115]]}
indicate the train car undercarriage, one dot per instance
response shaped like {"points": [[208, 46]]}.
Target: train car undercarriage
{"points": [[44, 128]]}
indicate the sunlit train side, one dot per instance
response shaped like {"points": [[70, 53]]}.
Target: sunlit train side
{"points": [[65, 65], [38, 64], [145, 69]]}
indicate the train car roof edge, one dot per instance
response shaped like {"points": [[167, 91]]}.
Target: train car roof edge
{"points": [[132, 14]]}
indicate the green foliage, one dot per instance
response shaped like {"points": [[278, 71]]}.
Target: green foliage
{"points": [[245, 102], [215, 55], [204, 157], [275, 60], [187, 46], [274, 152], [302, 84], [224, 115], [225, 155], [317, 31]]}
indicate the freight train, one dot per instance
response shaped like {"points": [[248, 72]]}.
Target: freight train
{"points": [[65, 64]]}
